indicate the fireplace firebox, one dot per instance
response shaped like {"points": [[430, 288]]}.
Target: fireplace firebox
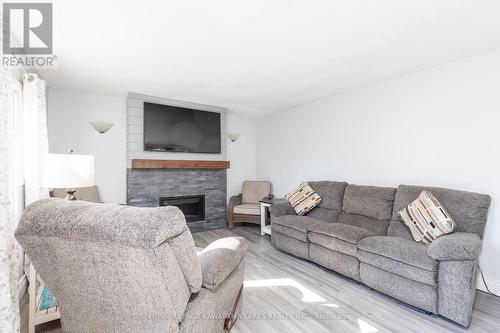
{"points": [[193, 206]]}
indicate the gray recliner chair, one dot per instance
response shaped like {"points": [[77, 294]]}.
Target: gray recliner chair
{"points": [[127, 269]]}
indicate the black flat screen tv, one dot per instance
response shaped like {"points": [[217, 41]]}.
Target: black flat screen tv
{"points": [[182, 130]]}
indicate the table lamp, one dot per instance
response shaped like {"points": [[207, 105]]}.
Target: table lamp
{"points": [[68, 171]]}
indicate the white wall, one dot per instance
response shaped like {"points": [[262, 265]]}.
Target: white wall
{"points": [[437, 127], [69, 114], [69, 117], [241, 153]]}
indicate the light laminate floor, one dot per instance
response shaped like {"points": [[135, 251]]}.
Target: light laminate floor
{"points": [[286, 294]]}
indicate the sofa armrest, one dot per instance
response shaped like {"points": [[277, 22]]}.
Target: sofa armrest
{"points": [[281, 209], [455, 246], [220, 258]]}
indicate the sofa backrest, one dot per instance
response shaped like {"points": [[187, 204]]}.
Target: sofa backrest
{"points": [[331, 194], [469, 210], [112, 268], [368, 207]]}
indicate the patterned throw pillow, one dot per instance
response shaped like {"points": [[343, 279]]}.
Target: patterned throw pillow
{"points": [[427, 219], [303, 199]]}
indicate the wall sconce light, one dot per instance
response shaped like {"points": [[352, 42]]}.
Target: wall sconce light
{"points": [[233, 136], [101, 126]]}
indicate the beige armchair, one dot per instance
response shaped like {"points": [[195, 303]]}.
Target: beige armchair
{"points": [[245, 207]]}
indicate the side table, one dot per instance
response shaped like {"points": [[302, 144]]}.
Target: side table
{"points": [[265, 218]]}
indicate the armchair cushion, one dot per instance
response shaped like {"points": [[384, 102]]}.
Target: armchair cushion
{"points": [[247, 209], [220, 258], [254, 191], [456, 246]]}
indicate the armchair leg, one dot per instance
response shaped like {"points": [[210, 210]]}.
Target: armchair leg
{"points": [[229, 322]]}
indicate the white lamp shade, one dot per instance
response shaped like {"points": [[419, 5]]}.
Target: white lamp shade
{"points": [[101, 126], [68, 171]]}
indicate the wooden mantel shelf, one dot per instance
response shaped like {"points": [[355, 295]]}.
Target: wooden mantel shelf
{"points": [[179, 164]]}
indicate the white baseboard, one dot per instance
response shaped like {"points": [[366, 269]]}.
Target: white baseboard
{"points": [[22, 287], [493, 285]]}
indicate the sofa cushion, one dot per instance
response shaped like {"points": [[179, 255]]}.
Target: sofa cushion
{"points": [[293, 226], [324, 214], [334, 244], [296, 222], [426, 218], [303, 199], [293, 233], [371, 201], [377, 227], [331, 193], [345, 232], [403, 250], [469, 210], [247, 209]]}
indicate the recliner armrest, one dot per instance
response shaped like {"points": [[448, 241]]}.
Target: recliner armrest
{"points": [[455, 246], [281, 209], [220, 258]]}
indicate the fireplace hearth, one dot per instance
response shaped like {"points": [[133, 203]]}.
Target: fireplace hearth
{"points": [[193, 206]]}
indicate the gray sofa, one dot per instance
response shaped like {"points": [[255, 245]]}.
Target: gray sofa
{"points": [[356, 231], [127, 269]]}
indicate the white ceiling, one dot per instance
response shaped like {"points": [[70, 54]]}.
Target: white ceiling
{"points": [[260, 56]]}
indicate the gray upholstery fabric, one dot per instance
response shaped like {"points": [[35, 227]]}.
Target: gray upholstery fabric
{"points": [[455, 246], [333, 243], [331, 200], [204, 310], [398, 268], [291, 245], [457, 290], [324, 214], [399, 249], [341, 231], [114, 268], [469, 210], [331, 193], [282, 208], [220, 258], [394, 264], [83, 221], [420, 295], [296, 222], [339, 262], [377, 227], [182, 246], [281, 229], [371, 201], [399, 229]]}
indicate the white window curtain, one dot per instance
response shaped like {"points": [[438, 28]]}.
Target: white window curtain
{"points": [[36, 144], [9, 212]]}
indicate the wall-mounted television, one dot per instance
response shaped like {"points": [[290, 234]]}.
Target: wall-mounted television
{"points": [[181, 130]]}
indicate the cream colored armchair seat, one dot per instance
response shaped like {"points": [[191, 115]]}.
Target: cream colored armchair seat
{"points": [[245, 207]]}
